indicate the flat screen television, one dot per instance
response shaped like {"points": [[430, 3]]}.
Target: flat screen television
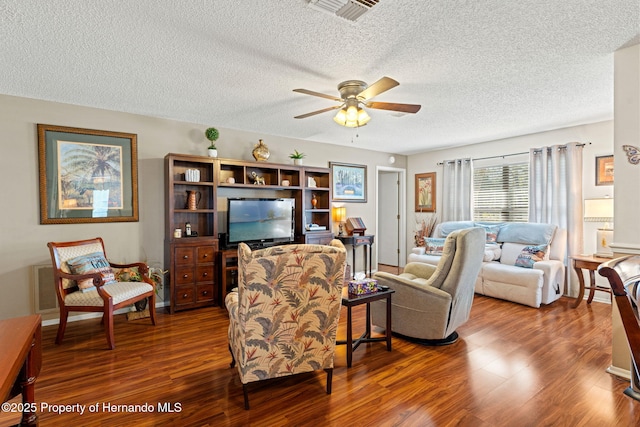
{"points": [[260, 222]]}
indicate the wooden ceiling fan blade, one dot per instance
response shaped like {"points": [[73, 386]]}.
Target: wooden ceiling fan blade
{"points": [[382, 85], [405, 108], [313, 113], [321, 95]]}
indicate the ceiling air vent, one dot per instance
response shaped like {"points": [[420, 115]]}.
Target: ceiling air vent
{"points": [[347, 9]]}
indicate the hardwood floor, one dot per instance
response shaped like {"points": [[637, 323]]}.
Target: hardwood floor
{"points": [[513, 366]]}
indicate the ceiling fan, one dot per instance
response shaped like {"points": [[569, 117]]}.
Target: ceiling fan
{"points": [[353, 94]]}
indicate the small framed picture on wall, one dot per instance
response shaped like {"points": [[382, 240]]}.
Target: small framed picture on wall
{"points": [[604, 170], [426, 192]]}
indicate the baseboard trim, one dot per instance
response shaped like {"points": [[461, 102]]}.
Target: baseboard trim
{"points": [[619, 372]]}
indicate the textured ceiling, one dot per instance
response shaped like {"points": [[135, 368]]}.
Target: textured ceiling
{"points": [[482, 70]]}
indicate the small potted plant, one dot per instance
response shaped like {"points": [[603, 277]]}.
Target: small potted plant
{"points": [[297, 157], [212, 135]]}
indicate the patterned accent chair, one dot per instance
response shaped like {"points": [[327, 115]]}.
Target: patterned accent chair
{"points": [[284, 313], [624, 277], [85, 281], [431, 302]]}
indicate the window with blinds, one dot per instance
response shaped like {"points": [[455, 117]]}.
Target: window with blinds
{"points": [[501, 193]]}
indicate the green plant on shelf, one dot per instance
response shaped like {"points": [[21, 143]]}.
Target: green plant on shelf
{"points": [[296, 155], [212, 135]]}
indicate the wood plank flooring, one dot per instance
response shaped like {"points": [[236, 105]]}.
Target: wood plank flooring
{"points": [[513, 366]]}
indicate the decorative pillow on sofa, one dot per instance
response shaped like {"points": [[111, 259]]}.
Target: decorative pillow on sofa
{"points": [[492, 232], [434, 245], [528, 233], [492, 252], [531, 255], [91, 263]]}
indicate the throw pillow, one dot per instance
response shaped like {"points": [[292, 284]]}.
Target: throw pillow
{"points": [[492, 252], [91, 263], [531, 255], [434, 245], [491, 231]]}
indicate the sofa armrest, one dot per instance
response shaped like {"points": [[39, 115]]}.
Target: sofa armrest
{"points": [[553, 273]]}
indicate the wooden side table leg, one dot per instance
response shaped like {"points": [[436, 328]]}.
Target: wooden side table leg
{"points": [[592, 290], [581, 292], [353, 260], [388, 331], [367, 333], [349, 338]]}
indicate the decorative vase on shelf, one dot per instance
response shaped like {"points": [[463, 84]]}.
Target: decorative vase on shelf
{"points": [[212, 152], [314, 201], [261, 151]]}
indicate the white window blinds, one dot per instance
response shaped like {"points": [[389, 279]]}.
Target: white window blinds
{"points": [[501, 193]]}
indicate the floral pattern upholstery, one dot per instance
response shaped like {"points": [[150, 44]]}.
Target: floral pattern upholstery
{"points": [[284, 314]]}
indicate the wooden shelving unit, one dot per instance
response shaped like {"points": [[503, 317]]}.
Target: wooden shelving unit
{"points": [[317, 182], [191, 260], [201, 270]]}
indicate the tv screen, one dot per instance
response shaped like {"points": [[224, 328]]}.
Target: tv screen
{"points": [[260, 221]]}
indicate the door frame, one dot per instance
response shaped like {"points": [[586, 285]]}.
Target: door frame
{"points": [[402, 210]]}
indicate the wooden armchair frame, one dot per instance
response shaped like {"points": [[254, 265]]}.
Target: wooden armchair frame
{"points": [[623, 274], [108, 307]]}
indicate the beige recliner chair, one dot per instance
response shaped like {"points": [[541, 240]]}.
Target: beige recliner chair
{"points": [[431, 302]]}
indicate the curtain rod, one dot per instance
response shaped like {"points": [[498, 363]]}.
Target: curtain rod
{"points": [[512, 154]]}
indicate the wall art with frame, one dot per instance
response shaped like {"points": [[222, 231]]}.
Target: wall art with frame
{"points": [[426, 192], [87, 175], [349, 182], [604, 170]]}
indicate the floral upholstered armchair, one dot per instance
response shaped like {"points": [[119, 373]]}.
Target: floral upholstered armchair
{"points": [[284, 314]]}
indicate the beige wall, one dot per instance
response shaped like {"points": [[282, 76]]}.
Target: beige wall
{"points": [[23, 239]]}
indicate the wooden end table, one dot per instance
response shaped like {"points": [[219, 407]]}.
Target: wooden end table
{"points": [[589, 263], [20, 363], [356, 241], [350, 301]]}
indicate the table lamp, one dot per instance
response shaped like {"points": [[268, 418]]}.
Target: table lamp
{"points": [[601, 210], [339, 215]]}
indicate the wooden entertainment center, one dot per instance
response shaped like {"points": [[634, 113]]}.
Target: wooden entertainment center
{"points": [[201, 269]]}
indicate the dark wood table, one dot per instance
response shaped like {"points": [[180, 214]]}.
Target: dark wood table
{"points": [[20, 362], [350, 301], [589, 263], [356, 241]]}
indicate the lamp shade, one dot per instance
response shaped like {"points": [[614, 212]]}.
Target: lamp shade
{"points": [[598, 210], [339, 214]]}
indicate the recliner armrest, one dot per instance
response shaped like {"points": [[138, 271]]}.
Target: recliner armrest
{"points": [[420, 269], [397, 282]]}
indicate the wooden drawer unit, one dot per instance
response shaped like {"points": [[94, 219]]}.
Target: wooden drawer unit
{"points": [[193, 280]]}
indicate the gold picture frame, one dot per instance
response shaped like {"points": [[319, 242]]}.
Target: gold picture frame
{"points": [[425, 192], [604, 170], [87, 175]]}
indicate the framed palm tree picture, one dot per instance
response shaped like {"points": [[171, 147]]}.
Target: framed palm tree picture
{"points": [[87, 175]]}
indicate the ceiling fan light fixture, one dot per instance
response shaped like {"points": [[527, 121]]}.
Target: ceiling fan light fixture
{"points": [[352, 115], [353, 94]]}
